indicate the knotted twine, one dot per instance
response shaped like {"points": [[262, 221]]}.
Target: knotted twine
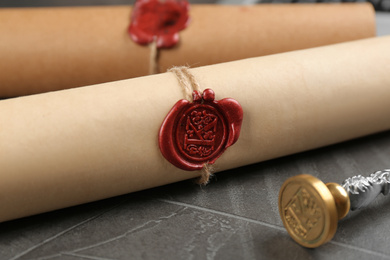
{"points": [[189, 84]]}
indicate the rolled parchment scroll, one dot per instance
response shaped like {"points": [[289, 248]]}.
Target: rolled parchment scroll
{"points": [[45, 49], [75, 146]]}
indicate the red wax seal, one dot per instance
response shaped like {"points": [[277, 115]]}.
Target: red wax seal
{"points": [[153, 20], [196, 133]]}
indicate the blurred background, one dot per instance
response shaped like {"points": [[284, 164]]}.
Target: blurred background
{"points": [[380, 5]]}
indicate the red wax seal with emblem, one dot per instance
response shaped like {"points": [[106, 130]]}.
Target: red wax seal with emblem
{"points": [[198, 132], [153, 20]]}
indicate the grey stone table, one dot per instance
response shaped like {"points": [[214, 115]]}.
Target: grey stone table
{"points": [[234, 217]]}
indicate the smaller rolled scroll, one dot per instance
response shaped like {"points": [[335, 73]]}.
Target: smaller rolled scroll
{"points": [[46, 49]]}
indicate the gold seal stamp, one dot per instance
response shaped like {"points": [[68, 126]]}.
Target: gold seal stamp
{"points": [[311, 209]]}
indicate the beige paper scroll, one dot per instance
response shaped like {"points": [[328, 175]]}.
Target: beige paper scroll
{"points": [[45, 49], [75, 146]]}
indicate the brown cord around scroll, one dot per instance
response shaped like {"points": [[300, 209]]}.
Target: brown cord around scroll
{"points": [[153, 59], [189, 84]]}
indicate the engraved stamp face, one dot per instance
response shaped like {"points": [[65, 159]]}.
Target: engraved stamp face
{"points": [[308, 210], [302, 213]]}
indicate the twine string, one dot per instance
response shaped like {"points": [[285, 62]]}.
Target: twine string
{"points": [[189, 84], [185, 84], [153, 59], [205, 175], [188, 74]]}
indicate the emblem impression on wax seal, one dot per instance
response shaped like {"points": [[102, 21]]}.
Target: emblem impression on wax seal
{"points": [[198, 132], [153, 20]]}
